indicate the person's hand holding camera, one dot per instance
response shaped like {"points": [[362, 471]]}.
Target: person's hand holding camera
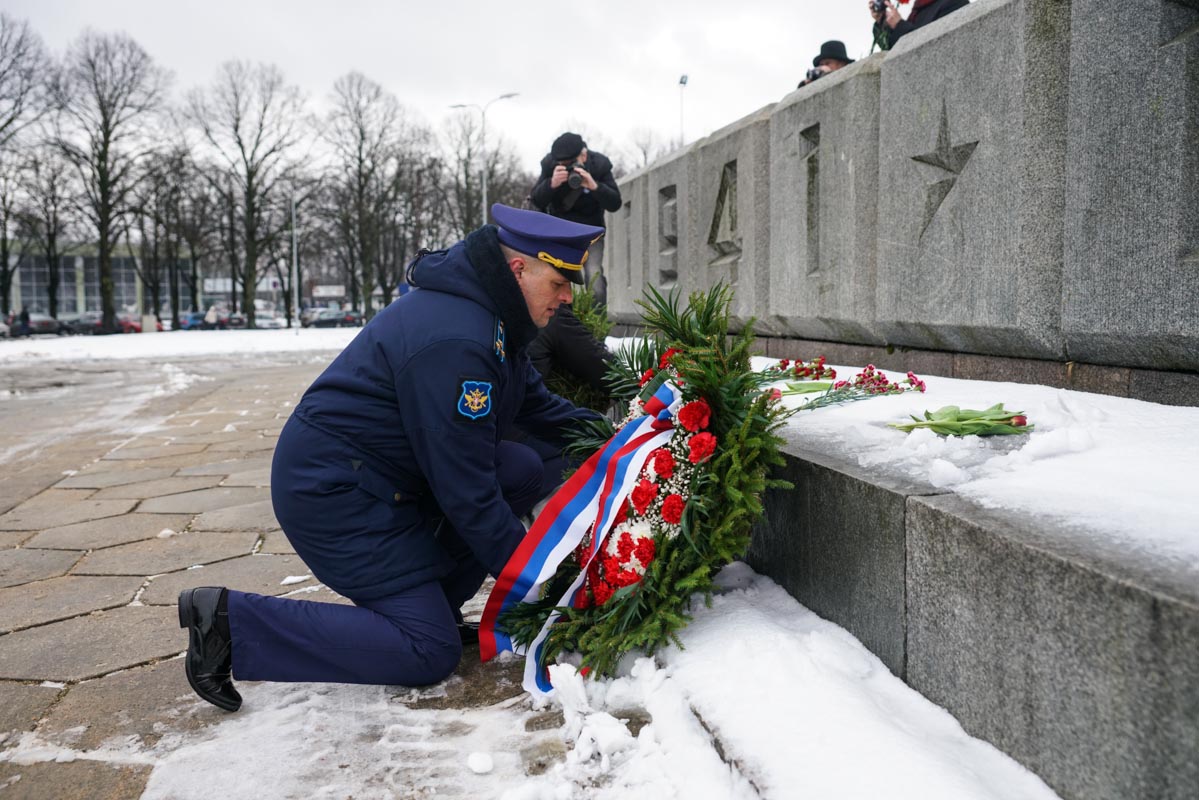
{"points": [[574, 175], [884, 11]]}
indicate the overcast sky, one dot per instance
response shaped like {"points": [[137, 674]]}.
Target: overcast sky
{"points": [[606, 67]]}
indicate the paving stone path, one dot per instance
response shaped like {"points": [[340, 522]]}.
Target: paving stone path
{"points": [[100, 532]]}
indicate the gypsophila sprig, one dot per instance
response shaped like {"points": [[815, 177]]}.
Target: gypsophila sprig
{"points": [[868, 383]]}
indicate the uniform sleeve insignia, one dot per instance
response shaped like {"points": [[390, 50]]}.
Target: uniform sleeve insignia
{"points": [[475, 401], [500, 340]]}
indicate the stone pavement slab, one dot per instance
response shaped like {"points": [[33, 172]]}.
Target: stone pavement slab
{"points": [[258, 516], [62, 598], [25, 566], [77, 780], [55, 497], [143, 703], [91, 646], [276, 542], [153, 452], [13, 538], [261, 574], [101, 479], [253, 477], [34, 518], [245, 445], [227, 466], [158, 488], [156, 556], [100, 533], [22, 705], [202, 500]]}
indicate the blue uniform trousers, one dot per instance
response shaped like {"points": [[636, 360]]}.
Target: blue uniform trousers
{"points": [[410, 638]]}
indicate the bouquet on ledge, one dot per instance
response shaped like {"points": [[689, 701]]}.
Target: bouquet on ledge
{"points": [[954, 421], [665, 499]]}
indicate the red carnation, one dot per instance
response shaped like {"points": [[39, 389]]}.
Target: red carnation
{"points": [[696, 415], [672, 509], [644, 494], [611, 566], [626, 577], [663, 462], [702, 446], [645, 550], [665, 360], [603, 593], [646, 377], [624, 546]]}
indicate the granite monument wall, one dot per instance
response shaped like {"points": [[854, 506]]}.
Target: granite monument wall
{"points": [[1014, 181]]}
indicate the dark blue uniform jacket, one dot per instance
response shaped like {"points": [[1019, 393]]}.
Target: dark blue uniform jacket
{"points": [[403, 426]]}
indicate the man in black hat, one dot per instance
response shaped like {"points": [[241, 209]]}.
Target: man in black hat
{"points": [[394, 479], [577, 184], [832, 57]]}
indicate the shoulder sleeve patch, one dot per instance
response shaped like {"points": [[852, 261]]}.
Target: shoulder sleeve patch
{"points": [[474, 401]]}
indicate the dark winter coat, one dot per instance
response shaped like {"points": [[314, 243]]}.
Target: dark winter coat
{"points": [[402, 427], [567, 345], [578, 205], [921, 15]]}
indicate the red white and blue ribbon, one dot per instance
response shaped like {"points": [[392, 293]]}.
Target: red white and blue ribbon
{"points": [[590, 499]]}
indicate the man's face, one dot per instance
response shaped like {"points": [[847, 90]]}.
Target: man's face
{"points": [[832, 64], [543, 287]]}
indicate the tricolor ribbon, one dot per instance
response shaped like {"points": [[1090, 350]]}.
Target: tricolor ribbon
{"points": [[590, 499]]}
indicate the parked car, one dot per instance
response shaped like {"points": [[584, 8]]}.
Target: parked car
{"points": [[38, 323], [269, 319], [310, 314], [337, 319], [87, 323], [235, 320], [128, 323]]}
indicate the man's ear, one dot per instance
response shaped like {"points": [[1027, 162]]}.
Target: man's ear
{"points": [[517, 265]]}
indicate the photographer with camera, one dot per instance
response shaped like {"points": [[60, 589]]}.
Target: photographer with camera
{"points": [[889, 27], [832, 57], [576, 184]]}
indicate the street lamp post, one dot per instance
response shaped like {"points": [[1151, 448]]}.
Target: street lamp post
{"points": [[682, 86], [483, 139]]}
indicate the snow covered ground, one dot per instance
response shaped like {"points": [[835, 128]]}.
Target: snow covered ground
{"points": [[766, 700]]}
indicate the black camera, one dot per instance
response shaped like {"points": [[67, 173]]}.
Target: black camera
{"points": [[813, 74], [878, 6], [573, 179]]}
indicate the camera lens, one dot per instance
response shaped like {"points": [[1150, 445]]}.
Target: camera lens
{"points": [[573, 179]]}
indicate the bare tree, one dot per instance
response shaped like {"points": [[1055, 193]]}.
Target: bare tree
{"points": [[254, 121], [48, 213], [24, 67], [10, 196], [507, 183], [108, 91], [364, 129], [199, 226]]}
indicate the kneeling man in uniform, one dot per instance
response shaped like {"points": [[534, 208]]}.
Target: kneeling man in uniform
{"points": [[393, 478]]}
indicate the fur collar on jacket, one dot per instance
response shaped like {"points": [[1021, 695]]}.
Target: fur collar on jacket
{"points": [[483, 252]]}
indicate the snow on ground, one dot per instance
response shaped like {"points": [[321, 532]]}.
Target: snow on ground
{"points": [[766, 700], [175, 344]]}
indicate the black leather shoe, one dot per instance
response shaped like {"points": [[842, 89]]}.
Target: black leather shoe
{"points": [[468, 632], [209, 661]]}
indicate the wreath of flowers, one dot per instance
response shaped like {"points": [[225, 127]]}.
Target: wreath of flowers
{"points": [[694, 502]]}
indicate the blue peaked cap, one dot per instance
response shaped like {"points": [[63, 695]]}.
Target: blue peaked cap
{"points": [[558, 242]]}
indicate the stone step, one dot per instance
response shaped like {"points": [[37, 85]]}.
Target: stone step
{"points": [[1077, 658]]}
